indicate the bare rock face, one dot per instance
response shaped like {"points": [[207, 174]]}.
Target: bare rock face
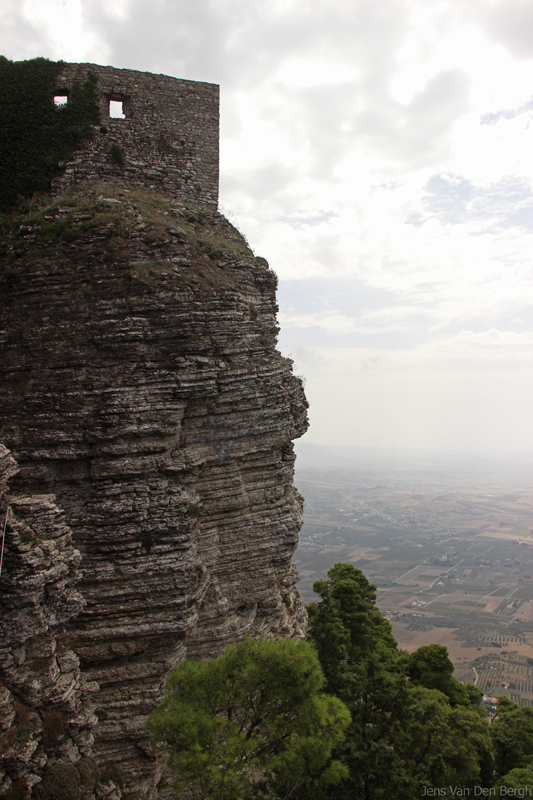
{"points": [[46, 714], [144, 390]]}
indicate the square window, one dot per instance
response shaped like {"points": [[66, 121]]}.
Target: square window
{"points": [[116, 110], [60, 100]]}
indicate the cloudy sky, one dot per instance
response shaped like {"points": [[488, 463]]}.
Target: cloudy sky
{"points": [[379, 154]]}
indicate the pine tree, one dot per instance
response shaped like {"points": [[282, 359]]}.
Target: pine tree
{"points": [[252, 723]]}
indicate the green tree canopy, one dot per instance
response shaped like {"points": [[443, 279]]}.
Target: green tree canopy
{"points": [[347, 629], [254, 723], [442, 745], [251, 723], [512, 735], [519, 779], [413, 724], [430, 666], [359, 657]]}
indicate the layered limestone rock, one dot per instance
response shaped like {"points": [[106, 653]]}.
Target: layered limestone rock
{"points": [[46, 714], [143, 388]]}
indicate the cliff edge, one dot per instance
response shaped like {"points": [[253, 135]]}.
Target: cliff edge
{"points": [[141, 388]]}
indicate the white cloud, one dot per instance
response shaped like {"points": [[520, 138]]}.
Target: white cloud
{"points": [[61, 24], [484, 351], [510, 23]]}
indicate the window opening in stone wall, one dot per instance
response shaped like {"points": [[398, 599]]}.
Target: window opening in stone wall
{"points": [[60, 100], [116, 109]]}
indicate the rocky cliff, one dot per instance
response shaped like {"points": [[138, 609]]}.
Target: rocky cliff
{"points": [[45, 707], [142, 388]]}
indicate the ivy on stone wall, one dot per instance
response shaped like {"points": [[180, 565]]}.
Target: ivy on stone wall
{"points": [[38, 138]]}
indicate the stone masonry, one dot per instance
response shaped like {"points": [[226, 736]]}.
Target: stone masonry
{"points": [[168, 138]]}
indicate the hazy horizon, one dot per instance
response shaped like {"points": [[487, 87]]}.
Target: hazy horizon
{"points": [[382, 449], [446, 469]]}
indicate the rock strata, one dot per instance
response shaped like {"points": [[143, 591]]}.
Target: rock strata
{"points": [[143, 389], [46, 715]]}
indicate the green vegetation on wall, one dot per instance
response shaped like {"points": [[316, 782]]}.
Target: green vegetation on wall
{"points": [[38, 138]]}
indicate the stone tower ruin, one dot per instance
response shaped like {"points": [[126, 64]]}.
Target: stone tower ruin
{"points": [[167, 138]]}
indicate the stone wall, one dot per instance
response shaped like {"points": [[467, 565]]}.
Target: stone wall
{"points": [[169, 139]]}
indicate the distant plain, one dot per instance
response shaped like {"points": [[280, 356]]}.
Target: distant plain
{"points": [[447, 538]]}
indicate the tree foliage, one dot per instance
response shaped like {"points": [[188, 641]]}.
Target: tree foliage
{"points": [[430, 666], [251, 723], [413, 724], [348, 630], [37, 137], [512, 734], [255, 723]]}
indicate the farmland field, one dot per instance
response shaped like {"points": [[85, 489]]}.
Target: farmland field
{"points": [[447, 543]]}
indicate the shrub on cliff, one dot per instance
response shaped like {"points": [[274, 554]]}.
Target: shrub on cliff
{"points": [[68, 781], [252, 723]]}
